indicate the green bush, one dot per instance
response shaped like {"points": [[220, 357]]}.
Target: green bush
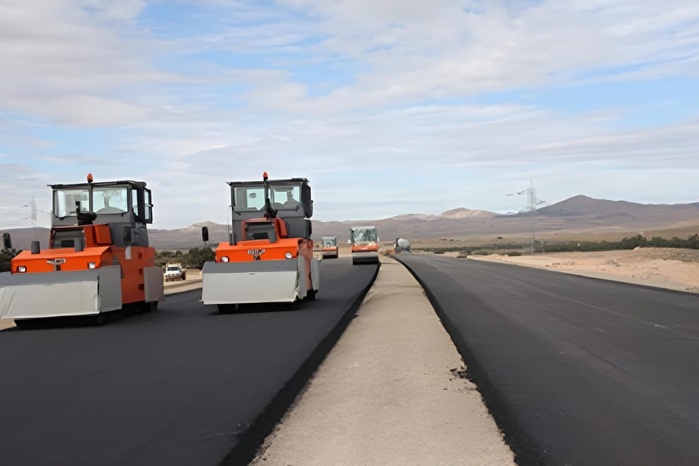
{"points": [[569, 246], [626, 243], [194, 258]]}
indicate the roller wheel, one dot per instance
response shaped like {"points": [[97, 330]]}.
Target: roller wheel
{"points": [[225, 308], [26, 324]]}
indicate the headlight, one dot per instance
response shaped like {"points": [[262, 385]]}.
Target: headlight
{"points": [[22, 269], [90, 265], [288, 255], [224, 259]]}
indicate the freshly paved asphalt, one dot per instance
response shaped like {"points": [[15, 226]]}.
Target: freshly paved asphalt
{"points": [[181, 386], [575, 370]]}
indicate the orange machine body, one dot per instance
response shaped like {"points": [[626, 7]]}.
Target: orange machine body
{"points": [[371, 247], [283, 248], [98, 252]]}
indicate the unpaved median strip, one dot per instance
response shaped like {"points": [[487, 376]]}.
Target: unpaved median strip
{"points": [[181, 287], [389, 392], [6, 323]]}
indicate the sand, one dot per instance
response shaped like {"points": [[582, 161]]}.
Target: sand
{"points": [[675, 269]]}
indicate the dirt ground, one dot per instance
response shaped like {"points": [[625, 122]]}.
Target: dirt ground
{"points": [[675, 269]]}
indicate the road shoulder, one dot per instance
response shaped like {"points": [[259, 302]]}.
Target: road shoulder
{"points": [[661, 268]]}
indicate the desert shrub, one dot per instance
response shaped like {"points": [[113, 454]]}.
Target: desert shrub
{"points": [[626, 243], [196, 257], [569, 246], [166, 257]]}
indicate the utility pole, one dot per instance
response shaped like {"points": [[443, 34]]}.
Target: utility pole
{"points": [[532, 203]]}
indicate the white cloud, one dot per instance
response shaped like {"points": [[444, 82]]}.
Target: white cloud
{"points": [[75, 63], [419, 50], [369, 99]]}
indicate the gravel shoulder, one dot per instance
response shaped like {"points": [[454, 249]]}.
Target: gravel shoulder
{"points": [[389, 393], [674, 269]]}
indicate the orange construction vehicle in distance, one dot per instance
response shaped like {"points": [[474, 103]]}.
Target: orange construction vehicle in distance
{"points": [[330, 248], [364, 242], [98, 259]]}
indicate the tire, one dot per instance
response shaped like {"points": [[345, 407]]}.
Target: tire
{"points": [[99, 319], [27, 324], [225, 308], [144, 307]]}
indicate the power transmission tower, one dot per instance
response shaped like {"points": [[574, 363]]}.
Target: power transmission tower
{"points": [[533, 203]]}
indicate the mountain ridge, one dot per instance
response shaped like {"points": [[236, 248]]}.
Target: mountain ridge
{"points": [[577, 213]]}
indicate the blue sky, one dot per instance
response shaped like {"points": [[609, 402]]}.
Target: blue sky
{"points": [[389, 107]]}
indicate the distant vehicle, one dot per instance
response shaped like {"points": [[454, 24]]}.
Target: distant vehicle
{"points": [[330, 248], [98, 259], [401, 245], [364, 242], [175, 272]]}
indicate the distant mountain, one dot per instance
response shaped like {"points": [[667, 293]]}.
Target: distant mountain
{"points": [[467, 213], [617, 211], [577, 214]]}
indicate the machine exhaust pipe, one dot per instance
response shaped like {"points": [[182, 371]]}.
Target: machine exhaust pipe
{"points": [[36, 247], [6, 241]]}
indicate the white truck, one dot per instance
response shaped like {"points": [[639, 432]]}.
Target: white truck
{"points": [[175, 272]]}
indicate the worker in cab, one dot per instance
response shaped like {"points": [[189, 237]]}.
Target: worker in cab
{"points": [[290, 203]]}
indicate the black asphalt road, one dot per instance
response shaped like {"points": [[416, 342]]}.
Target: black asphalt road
{"points": [[180, 386], [575, 370]]}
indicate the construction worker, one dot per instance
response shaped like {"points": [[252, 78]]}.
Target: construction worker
{"points": [[306, 251]]}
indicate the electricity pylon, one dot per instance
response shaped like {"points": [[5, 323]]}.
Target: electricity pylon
{"points": [[533, 203]]}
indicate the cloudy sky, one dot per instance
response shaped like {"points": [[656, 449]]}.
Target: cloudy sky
{"points": [[388, 107]]}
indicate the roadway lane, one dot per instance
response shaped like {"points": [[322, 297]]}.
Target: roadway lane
{"points": [[575, 370], [180, 386]]}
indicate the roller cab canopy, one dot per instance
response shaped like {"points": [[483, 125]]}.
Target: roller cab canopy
{"points": [[123, 201]]}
